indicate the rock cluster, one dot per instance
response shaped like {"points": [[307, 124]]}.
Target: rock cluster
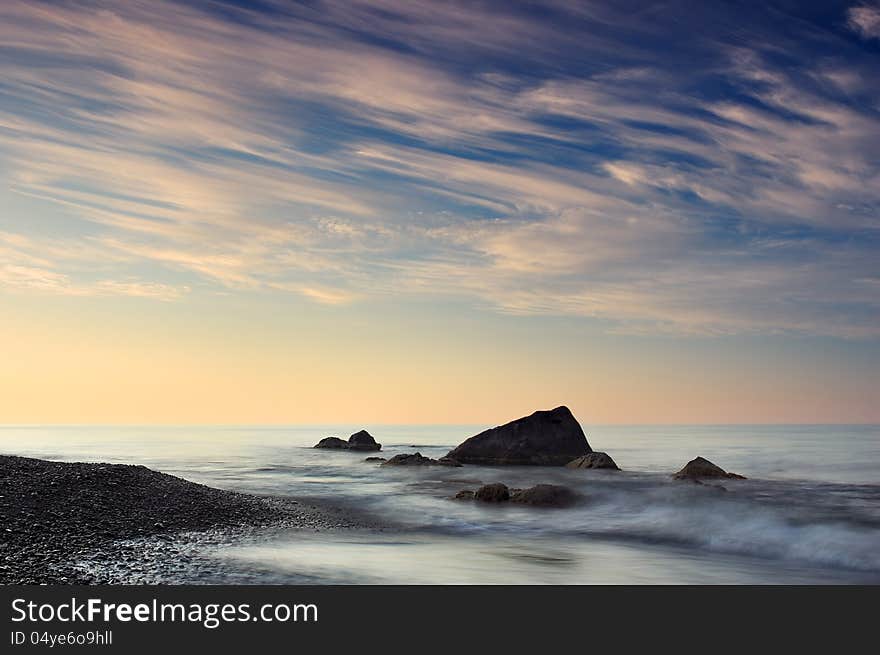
{"points": [[360, 441], [547, 437]]}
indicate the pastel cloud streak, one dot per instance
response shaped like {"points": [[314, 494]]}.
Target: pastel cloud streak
{"points": [[578, 160], [865, 20]]}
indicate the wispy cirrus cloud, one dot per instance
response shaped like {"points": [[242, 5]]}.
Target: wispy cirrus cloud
{"points": [[69, 269], [865, 20], [575, 159]]}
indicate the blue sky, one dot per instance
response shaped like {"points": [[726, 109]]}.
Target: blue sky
{"points": [[670, 169]]}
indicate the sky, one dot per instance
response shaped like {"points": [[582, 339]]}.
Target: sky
{"points": [[439, 212]]}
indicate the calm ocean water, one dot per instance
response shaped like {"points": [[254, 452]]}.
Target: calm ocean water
{"points": [[809, 513]]}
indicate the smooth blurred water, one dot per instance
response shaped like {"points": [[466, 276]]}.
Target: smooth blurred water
{"points": [[809, 513]]}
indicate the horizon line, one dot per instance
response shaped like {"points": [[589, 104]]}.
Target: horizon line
{"points": [[431, 424]]}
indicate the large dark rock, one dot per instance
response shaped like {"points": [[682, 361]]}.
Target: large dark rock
{"points": [[332, 442], [594, 460], [545, 495], [551, 438], [363, 440], [703, 468], [493, 493]]}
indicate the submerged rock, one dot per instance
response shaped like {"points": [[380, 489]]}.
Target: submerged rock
{"points": [[411, 459], [363, 440], [703, 468], [332, 442], [545, 495], [541, 495], [375, 459], [493, 493], [417, 459], [594, 460], [551, 438]]}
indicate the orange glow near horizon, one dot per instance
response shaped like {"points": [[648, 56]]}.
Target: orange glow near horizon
{"points": [[262, 366]]}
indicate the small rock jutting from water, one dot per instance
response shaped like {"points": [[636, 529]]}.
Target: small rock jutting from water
{"points": [[702, 468], [332, 442], [417, 459], [541, 495], [594, 460], [545, 495], [363, 440], [493, 493]]}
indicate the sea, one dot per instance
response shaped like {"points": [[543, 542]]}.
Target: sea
{"points": [[809, 512]]}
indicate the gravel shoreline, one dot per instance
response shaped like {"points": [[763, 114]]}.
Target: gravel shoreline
{"points": [[122, 519]]}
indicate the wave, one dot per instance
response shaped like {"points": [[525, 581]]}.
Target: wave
{"points": [[753, 532], [832, 526]]}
